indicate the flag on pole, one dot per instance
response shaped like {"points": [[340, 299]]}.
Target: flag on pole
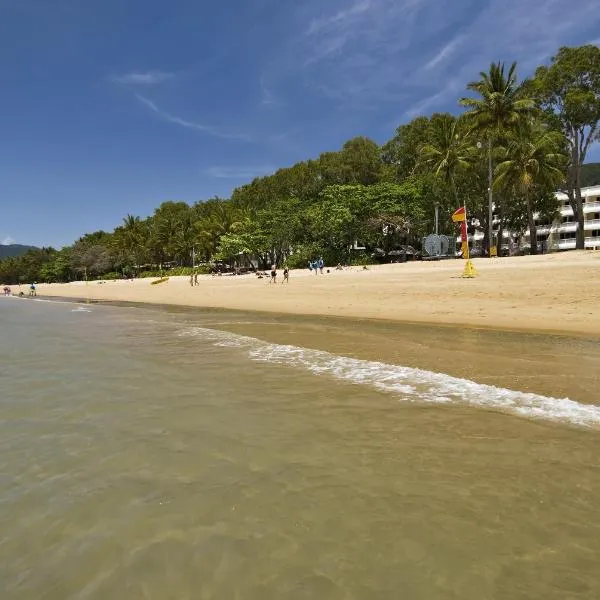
{"points": [[459, 215]]}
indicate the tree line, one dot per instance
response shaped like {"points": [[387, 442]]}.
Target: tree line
{"points": [[529, 137]]}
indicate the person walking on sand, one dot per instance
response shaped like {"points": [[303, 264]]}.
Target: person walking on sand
{"points": [[321, 265], [191, 279], [196, 278], [315, 266], [273, 274], [286, 276]]}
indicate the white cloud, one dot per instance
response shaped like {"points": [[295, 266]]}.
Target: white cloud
{"points": [[7, 241], [444, 53], [209, 130], [142, 78], [240, 172]]}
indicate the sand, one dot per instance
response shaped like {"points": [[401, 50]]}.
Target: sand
{"points": [[554, 293]]}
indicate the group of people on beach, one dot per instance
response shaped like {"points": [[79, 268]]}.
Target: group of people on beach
{"points": [[316, 265], [32, 290]]}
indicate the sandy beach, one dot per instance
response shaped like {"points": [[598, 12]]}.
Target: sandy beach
{"points": [[555, 293]]}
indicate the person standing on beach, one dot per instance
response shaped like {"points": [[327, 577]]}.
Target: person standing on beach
{"points": [[273, 274], [32, 291], [321, 265], [196, 278], [286, 275], [192, 280]]}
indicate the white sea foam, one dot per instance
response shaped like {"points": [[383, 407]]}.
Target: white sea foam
{"points": [[81, 309], [409, 384]]}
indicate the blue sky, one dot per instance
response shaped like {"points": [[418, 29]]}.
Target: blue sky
{"points": [[109, 107]]}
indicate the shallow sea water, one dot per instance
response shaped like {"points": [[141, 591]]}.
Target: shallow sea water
{"points": [[160, 454]]}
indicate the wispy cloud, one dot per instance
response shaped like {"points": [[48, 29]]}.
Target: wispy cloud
{"points": [[339, 18], [242, 172], [444, 53], [207, 129], [425, 104], [142, 78], [268, 98], [7, 241], [376, 55]]}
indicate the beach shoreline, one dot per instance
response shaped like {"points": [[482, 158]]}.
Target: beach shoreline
{"points": [[553, 294]]}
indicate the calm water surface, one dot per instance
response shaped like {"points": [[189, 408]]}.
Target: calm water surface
{"points": [[174, 455]]}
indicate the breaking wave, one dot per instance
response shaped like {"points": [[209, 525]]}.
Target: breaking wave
{"points": [[407, 383]]}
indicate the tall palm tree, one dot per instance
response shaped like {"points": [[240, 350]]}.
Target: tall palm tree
{"points": [[502, 104], [450, 151], [501, 107], [532, 163]]}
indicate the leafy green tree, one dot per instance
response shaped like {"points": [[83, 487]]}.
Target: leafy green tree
{"points": [[402, 151], [569, 89]]}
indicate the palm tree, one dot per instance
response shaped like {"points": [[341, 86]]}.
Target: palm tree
{"points": [[450, 151], [532, 162], [502, 104]]}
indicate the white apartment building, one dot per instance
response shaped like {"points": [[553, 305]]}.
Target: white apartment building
{"points": [[560, 234]]}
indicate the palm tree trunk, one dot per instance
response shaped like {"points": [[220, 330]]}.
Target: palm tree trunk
{"points": [[532, 228]]}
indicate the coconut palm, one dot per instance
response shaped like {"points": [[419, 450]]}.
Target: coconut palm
{"points": [[532, 162], [449, 152], [502, 104]]}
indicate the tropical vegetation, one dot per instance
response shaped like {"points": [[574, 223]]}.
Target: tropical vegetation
{"points": [[528, 137]]}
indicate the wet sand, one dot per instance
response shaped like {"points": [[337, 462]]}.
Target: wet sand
{"points": [[553, 293]]}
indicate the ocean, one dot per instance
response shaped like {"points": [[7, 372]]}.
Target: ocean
{"points": [[163, 453]]}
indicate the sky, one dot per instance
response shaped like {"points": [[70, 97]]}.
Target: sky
{"points": [[110, 107]]}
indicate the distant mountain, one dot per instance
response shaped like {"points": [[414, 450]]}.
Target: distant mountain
{"points": [[590, 174], [11, 250]]}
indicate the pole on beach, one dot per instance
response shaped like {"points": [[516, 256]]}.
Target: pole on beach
{"points": [[492, 249], [460, 216]]}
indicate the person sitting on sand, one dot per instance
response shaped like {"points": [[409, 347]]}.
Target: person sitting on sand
{"points": [[286, 275], [339, 267], [273, 274]]}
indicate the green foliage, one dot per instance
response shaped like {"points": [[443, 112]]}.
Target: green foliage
{"points": [[590, 174]]}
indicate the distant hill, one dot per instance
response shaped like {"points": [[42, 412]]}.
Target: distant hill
{"points": [[590, 174], [11, 250]]}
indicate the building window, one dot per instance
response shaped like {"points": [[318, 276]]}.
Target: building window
{"points": [[595, 233], [568, 236]]}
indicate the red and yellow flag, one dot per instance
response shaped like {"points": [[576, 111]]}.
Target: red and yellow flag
{"points": [[459, 215]]}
